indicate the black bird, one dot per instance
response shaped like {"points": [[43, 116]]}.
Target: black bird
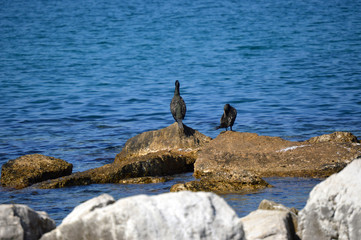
{"points": [[178, 106], [228, 117]]}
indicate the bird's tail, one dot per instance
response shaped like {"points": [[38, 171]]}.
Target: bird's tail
{"points": [[216, 128]]}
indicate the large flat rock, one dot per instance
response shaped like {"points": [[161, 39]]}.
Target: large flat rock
{"points": [[273, 156], [29, 169]]}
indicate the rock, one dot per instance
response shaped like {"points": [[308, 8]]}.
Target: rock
{"points": [[145, 180], [224, 182], [267, 224], [157, 164], [270, 205], [340, 137], [168, 139], [29, 169], [87, 207], [273, 156], [21, 222], [150, 154], [333, 209], [182, 215]]}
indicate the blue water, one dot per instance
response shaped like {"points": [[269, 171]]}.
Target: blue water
{"points": [[79, 78]]}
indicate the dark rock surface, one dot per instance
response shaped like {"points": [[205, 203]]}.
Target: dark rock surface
{"points": [[29, 169]]}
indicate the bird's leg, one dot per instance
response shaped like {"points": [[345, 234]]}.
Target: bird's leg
{"points": [[231, 128]]}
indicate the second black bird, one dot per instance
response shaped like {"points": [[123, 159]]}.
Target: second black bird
{"points": [[228, 117]]}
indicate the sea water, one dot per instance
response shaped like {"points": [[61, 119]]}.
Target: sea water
{"points": [[79, 78]]}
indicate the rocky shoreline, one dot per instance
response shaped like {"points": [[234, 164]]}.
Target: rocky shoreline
{"points": [[332, 211], [233, 162]]}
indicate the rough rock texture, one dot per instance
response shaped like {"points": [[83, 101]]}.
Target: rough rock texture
{"points": [[168, 139], [223, 182], [29, 169], [273, 156], [270, 205], [150, 154], [341, 137], [87, 207], [333, 210], [182, 215], [145, 166], [145, 180], [267, 224], [19, 222]]}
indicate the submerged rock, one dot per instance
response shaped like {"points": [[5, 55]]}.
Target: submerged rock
{"points": [[268, 224], [333, 210], [145, 180], [182, 215], [224, 182], [21, 222], [29, 169], [273, 156]]}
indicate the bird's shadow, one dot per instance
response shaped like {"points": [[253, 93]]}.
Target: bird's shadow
{"points": [[187, 131]]}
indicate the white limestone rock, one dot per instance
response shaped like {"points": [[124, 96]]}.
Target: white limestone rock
{"points": [[20, 222], [333, 210], [88, 206], [181, 215], [268, 224], [271, 205]]}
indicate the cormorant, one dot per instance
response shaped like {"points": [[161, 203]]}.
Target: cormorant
{"points": [[228, 117], [178, 106]]}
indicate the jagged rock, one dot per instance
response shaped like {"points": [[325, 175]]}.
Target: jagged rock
{"points": [[20, 222], [270, 205], [29, 169], [223, 182], [333, 209], [182, 215], [273, 156], [267, 224], [340, 137]]}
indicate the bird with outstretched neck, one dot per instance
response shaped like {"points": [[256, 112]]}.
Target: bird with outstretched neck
{"points": [[178, 107], [228, 117]]}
